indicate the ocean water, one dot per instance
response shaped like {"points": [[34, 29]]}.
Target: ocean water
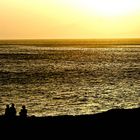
{"points": [[69, 79]]}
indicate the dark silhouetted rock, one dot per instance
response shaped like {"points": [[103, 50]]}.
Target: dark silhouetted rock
{"points": [[115, 121]]}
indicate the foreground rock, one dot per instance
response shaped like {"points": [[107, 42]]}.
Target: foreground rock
{"points": [[115, 121]]}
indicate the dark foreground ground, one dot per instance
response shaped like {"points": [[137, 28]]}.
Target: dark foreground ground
{"points": [[113, 122]]}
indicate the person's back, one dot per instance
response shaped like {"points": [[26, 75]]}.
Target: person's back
{"points": [[13, 111], [7, 111], [23, 112]]}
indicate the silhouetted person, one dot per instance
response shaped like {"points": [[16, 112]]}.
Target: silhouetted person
{"points": [[7, 111], [13, 111], [23, 112]]}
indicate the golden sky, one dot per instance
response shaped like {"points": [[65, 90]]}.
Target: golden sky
{"points": [[42, 19]]}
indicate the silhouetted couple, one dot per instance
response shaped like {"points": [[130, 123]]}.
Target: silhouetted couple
{"points": [[10, 111]]}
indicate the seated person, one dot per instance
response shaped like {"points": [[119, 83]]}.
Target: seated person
{"points": [[23, 112]]}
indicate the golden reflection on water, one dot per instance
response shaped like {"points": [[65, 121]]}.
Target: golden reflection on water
{"points": [[69, 80]]}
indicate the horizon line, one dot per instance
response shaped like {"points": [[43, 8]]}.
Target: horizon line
{"points": [[68, 38]]}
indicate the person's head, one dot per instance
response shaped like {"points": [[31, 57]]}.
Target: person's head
{"points": [[23, 107], [13, 105], [7, 106]]}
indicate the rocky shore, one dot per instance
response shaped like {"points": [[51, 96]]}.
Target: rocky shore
{"points": [[115, 121]]}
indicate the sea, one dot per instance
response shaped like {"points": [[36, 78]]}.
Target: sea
{"points": [[69, 77]]}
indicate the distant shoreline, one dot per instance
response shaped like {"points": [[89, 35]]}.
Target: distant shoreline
{"points": [[56, 42]]}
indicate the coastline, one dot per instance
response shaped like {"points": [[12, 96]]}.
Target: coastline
{"points": [[112, 120]]}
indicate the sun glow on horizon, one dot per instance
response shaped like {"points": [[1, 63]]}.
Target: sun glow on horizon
{"points": [[69, 18], [108, 7]]}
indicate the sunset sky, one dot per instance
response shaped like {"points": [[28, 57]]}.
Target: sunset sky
{"points": [[42, 19]]}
